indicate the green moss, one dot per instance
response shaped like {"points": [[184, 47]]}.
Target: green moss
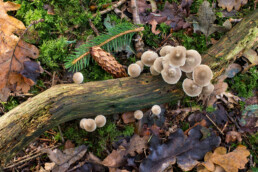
{"points": [[10, 104], [210, 109], [244, 84]]}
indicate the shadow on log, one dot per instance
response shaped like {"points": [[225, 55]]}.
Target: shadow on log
{"points": [[63, 103]]}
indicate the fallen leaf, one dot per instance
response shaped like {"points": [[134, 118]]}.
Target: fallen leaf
{"points": [[251, 55], [69, 144], [230, 162], [185, 150], [116, 158], [230, 4], [64, 159], [205, 20], [13, 64], [137, 144], [128, 117], [232, 136], [153, 24]]}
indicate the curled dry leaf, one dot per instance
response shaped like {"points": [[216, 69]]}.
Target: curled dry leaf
{"points": [[232, 136], [15, 54], [230, 162], [230, 4], [153, 24], [185, 150], [128, 117]]}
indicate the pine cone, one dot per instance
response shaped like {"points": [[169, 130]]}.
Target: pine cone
{"points": [[108, 62]]}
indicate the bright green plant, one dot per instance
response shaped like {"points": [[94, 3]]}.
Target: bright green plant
{"points": [[10, 104]]}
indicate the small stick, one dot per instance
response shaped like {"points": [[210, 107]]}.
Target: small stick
{"points": [[214, 124], [61, 134], [110, 9], [93, 27]]}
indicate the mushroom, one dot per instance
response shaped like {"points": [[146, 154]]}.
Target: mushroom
{"points": [[193, 59], [165, 50], [177, 56], [157, 65], [100, 120], [153, 71], [207, 90], [202, 75], [148, 58], [82, 122], [134, 70], [139, 62], [89, 125], [156, 110], [138, 114], [171, 75], [77, 77], [191, 88], [189, 75]]}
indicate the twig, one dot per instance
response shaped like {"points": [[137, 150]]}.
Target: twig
{"points": [[110, 9], [29, 158], [103, 43], [214, 124], [53, 78], [93, 27], [136, 17], [61, 134]]}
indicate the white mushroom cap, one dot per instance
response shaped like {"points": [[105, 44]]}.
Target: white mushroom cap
{"points": [[171, 75], [89, 125], [139, 62], [82, 122], [156, 110], [78, 77], [138, 114], [193, 59], [100, 120], [134, 70], [207, 90], [190, 88], [202, 75], [153, 71], [148, 58], [165, 50], [177, 56], [189, 75], [158, 66]]}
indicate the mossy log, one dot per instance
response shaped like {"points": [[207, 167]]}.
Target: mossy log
{"points": [[62, 103]]}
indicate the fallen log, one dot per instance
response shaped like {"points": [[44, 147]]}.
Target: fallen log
{"points": [[63, 103]]}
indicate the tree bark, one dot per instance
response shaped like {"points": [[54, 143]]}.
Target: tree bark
{"points": [[62, 103]]}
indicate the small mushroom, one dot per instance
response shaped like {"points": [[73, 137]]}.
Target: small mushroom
{"points": [[191, 88], [165, 50], [189, 75], [207, 90], [171, 75], [139, 62], [153, 71], [156, 110], [148, 58], [138, 114], [82, 122], [193, 59], [100, 120], [77, 77], [202, 75], [158, 66], [134, 70], [89, 125], [177, 56]]}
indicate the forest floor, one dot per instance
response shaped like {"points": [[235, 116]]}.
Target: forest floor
{"points": [[185, 129]]}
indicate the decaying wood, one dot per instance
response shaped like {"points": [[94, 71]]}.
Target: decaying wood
{"points": [[62, 103]]}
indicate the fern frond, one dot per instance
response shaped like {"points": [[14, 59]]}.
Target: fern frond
{"points": [[118, 36]]}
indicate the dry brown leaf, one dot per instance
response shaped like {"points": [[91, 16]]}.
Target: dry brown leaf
{"points": [[116, 158], [153, 24], [128, 117], [230, 4], [232, 136], [69, 144], [12, 63], [137, 144], [230, 162]]}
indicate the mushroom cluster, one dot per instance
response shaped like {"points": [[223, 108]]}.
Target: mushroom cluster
{"points": [[90, 125], [171, 63]]}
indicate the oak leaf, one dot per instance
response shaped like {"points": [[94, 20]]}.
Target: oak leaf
{"points": [[230, 4], [230, 162], [15, 54]]}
